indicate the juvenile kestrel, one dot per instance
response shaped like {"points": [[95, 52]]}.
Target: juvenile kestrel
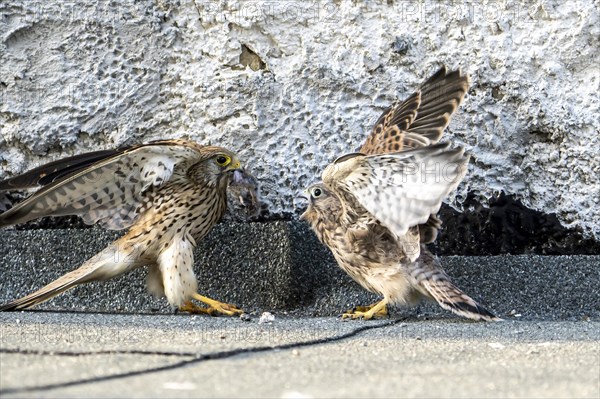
{"points": [[169, 194], [376, 209]]}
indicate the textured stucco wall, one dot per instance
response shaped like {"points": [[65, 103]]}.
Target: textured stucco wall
{"points": [[291, 85]]}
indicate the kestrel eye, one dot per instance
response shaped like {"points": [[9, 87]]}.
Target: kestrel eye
{"points": [[317, 192], [223, 160]]}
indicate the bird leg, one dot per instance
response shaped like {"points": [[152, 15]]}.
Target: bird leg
{"points": [[377, 310], [214, 307]]}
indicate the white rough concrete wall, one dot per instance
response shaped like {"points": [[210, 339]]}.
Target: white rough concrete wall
{"points": [[82, 75]]}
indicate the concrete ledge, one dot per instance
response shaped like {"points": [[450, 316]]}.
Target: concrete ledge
{"points": [[281, 267]]}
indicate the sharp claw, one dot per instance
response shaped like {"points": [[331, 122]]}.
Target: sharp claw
{"points": [[229, 310], [376, 310], [226, 309], [215, 308]]}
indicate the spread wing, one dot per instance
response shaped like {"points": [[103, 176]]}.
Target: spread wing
{"points": [[400, 190], [52, 171], [419, 120], [106, 187]]}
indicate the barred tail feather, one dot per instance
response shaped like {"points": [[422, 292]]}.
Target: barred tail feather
{"points": [[429, 279], [106, 264], [449, 297], [51, 290]]}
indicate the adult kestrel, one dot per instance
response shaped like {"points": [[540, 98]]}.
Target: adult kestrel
{"points": [[376, 209], [169, 193]]}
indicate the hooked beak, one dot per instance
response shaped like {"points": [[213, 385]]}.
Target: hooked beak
{"points": [[304, 194], [235, 166], [301, 199], [239, 174]]}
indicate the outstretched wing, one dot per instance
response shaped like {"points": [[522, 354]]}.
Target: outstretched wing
{"points": [[400, 190], [108, 190], [45, 174], [419, 120]]}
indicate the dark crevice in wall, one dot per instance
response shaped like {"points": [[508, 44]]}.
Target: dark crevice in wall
{"points": [[249, 58], [506, 226]]}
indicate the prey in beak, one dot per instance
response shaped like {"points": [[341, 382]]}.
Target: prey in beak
{"points": [[242, 193]]}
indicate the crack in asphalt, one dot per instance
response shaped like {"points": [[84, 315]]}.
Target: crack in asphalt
{"points": [[195, 358], [94, 353]]}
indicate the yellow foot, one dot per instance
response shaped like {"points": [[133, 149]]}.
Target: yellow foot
{"points": [[377, 310], [214, 308], [193, 308]]}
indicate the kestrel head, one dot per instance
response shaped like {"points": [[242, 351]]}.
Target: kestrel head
{"points": [[219, 167], [323, 204]]}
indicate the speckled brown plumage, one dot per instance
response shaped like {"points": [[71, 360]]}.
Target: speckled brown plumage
{"points": [[169, 194], [376, 209]]}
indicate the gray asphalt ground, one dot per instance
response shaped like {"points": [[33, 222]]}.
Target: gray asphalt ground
{"points": [[113, 340], [101, 355]]}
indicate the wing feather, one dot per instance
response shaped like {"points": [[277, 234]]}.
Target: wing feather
{"points": [[400, 190], [419, 120], [52, 171], [438, 98], [111, 190]]}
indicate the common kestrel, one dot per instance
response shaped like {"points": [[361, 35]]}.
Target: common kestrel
{"points": [[376, 209], [169, 193]]}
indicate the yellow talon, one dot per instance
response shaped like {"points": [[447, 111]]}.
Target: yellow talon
{"points": [[214, 307], [376, 310]]}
